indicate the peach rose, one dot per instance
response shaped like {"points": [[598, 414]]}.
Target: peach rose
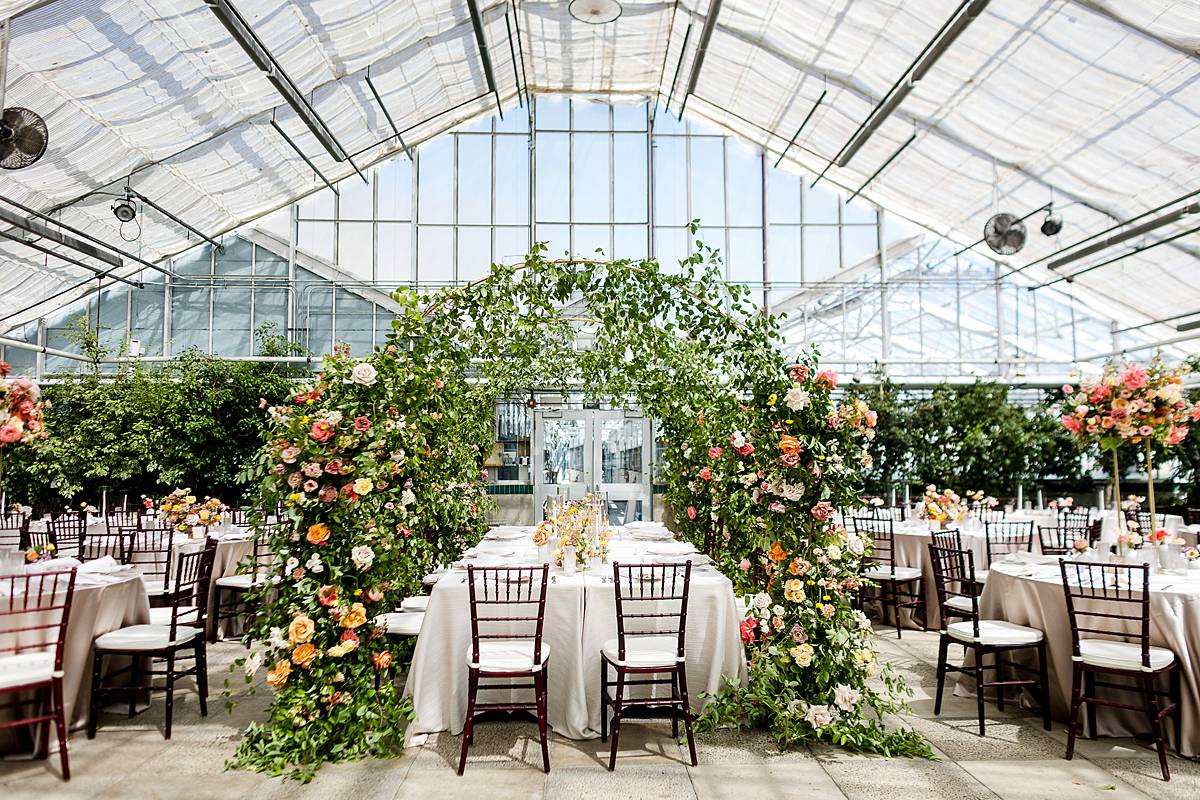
{"points": [[357, 615], [382, 660], [304, 655], [301, 630], [789, 445], [278, 676], [318, 533]]}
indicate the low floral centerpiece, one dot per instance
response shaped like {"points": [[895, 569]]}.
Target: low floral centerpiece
{"points": [[181, 510], [40, 552], [944, 506]]}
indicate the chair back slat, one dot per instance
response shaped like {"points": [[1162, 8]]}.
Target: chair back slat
{"points": [[34, 610], [986, 514], [1074, 518], [239, 516], [954, 576], [69, 532], [121, 518], [1059, 540], [1007, 536], [951, 538], [115, 543], [881, 533], [652, 600], [1118, 593], [507, 603], [150, 552], [13, 535]]}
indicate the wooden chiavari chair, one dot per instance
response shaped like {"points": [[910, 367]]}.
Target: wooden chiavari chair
{"points": [[899, 586], [151, 552], [954, 574], [121, 518], [177, 636], [69, 532], [652, 601], [1109, 609], [233, 598], [508, 612], [1006, 537], [35, 608]]}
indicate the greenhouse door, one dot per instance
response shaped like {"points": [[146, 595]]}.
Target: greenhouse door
{"points": [[576, 451]]}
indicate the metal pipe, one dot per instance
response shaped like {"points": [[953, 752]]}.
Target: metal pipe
{"points": [[512, 55], [710, 25], [43, 249], [387, 114], [807, 117], [1117, 238], [300, 153], [484, 56], [220, 248], [8, 341], [46, 232], [882, 167], [1071, 278], [687, 34]]}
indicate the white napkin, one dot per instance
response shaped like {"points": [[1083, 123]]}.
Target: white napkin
{"points": [[1024, 557], [102, 564], [53, 565], [670, 548]]}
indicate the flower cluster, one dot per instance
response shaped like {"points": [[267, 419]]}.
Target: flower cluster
{"points": [[980, 499], [181, 510], [942, 506], [581, 524], [1130, 403], [41, 552], [20, 409], [1061, 503]]}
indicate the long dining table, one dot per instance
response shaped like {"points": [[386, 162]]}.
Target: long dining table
{"points": [[580, 617]]}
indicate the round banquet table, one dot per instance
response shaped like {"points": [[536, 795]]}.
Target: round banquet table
{"points": [[101, 603], [580, 617], [1031, 594]]}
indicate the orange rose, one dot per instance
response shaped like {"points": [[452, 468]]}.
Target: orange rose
{"points": [[278, 676], [357, 615], [318, 533], [789, 445], [776, 553], [304, 655], [301, 630]]}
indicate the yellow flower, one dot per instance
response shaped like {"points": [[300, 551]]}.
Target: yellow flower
{"points": [[337, 651], [357, 615], [771, 400], [802, 654], [793, 590], [362, 486], [301, 630]]}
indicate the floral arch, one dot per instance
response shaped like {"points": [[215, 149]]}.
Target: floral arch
{"points": [[377, 468]]}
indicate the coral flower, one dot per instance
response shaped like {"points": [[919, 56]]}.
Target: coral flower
{"points": [[382, 660], [789, 445], [321, 431], [357, 615], [777, 553], [278, 676], [327, 595]]}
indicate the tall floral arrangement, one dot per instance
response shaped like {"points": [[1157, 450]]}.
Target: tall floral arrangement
{"points": [[757, 482], [375, 469], [943, 506], [1130, 403], [20, 409]]}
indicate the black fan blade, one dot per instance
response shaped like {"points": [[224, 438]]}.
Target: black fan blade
{"points": [[30, 141]]}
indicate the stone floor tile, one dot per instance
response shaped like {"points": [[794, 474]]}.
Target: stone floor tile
{"points": [[1058, 779]]}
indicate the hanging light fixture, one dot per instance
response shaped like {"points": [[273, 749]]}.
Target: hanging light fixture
{"points": [[124, 210], [1052, 224], [595, 12]]}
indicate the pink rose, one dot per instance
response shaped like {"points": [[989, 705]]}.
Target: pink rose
{"points": [[799, 635], [822, 511], [362, 424], [321, 431], [294, 479], [328, 494], [798, 373], [777, 507], [289, 454], [790, 459], [714, 453], [334, 467], [744, 565], [746, 449], [691, 512], [9, 433], [310, 485], [827, 378], [706, 473]]}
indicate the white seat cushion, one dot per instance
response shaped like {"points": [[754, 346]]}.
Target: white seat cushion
{"points": [[960, 603], [644, 651], [981, 576], [161, 615], [1121, 655], [241, 581], [27, 668], [882, 573], [154, 587], [507, 655], [418, 603], [145, 637], [400, 623], [994, 632]]}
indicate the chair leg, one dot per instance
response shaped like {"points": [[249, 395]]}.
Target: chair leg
{"points": [[135, 681], [1076, 702], [1089, 690], [1177, 711], [202, 674], [895, 606], [674, 706], [60, 726], [685, 701], [472, 689], [943, 654], [603, 700], [214, 622], [1044, 684], [616, 720], [981, 674], [94, 698], [170, 694], [1155, 724], [540, 689], [999, 677], [45, 706]]}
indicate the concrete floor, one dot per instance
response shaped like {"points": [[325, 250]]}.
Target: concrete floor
{"points": [[1017, 760]]}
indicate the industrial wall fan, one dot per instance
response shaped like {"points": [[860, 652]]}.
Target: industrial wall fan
{"points": [[1004, 233], [23, 138]]}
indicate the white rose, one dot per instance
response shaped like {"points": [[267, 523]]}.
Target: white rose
{"points": [[796, 398], [846, 698], [820, 716], [738, 439], [834, 552], [333, 417], [277, 639], [762, 600], [314, 564], [407, 498], [363, 557], [253, 662], [364, 374], [854, 544]]}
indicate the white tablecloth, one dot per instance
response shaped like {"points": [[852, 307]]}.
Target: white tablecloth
{"points": [[580, 616], [1032, 595]]}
